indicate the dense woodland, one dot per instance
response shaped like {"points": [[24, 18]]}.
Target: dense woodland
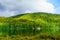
{"points": [[27, 24]]}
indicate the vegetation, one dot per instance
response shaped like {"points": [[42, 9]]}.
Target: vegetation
{"points": [[30, 26]]}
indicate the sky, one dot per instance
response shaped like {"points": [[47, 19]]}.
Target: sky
{"points": [[15, 7]]}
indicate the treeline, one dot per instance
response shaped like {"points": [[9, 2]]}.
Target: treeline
{"points": [[20, 27]]}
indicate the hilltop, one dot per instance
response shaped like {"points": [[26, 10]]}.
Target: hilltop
{"points": [[44, 20]]}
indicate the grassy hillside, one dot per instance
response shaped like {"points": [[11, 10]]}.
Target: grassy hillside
{"points": [[31, 26], [49, 21]]}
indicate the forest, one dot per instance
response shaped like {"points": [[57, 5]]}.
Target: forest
{"points": [[30, 26]]}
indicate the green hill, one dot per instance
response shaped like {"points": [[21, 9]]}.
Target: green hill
{"points": [[35, 25]]}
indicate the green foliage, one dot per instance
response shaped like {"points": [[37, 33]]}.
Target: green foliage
{"points": [[28, 24]]}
